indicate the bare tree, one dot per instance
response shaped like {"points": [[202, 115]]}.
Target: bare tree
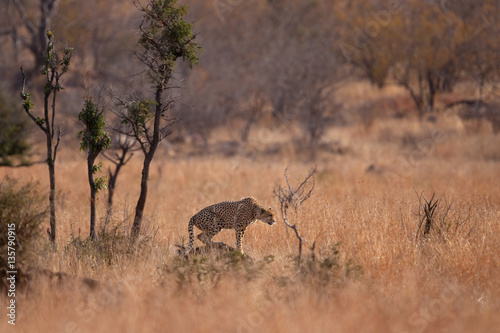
{"points": [[317, 107], [252, 113], [294, 197], [424, 84], [303, 85], [480, 48], [478, 109], [37, 28], [124, 148], [391, 41], [54, 68]]}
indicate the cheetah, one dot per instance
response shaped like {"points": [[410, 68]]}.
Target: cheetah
{"points": [[236, 215]]}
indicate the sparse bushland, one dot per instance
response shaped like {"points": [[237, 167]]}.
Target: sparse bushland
{"points": [[364, 207], [373, 258], [378, 268]]}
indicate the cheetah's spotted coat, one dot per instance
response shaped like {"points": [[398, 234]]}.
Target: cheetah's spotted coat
{"points": [[236, 215]]}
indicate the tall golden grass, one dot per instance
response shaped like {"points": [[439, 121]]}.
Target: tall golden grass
{"points": [[371, 273]]}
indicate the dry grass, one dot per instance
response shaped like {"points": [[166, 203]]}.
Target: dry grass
{"points": [[364, 205]]}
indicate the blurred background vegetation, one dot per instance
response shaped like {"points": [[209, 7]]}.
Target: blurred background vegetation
{"points": [[273, 61]]}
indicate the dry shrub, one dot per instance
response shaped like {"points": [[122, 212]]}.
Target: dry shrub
{"points": [[437, 220], [207, 271], [20, 205], [103, 251], [111, 244]]}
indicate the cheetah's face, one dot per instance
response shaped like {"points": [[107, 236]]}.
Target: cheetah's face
{"points": [[266, 215]]}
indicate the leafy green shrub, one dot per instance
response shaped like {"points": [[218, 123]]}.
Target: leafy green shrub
{"points": [[21, 211]]}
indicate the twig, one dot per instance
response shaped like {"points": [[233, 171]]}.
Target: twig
{"points": [[294, 197]]}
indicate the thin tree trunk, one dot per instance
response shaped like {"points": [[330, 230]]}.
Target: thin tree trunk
{"points": [[433, 89], [313, 146], [113, 176], [111, 187], [90, 165], [254, 111], [112, 182], [52, 193], [141, 203], [294, 228], [148, 157], [52, 172], [246, 130]]}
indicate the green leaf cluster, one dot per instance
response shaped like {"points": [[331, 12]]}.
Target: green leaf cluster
{"points": [[99, 182], [54, 67], [165, 37], [27, 103], [93, 137], [139, 113]]}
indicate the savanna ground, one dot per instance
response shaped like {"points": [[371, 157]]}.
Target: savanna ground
{"points": [[370, 271]]}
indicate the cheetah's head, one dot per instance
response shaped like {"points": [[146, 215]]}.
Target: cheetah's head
{"points": [[266, 215]]}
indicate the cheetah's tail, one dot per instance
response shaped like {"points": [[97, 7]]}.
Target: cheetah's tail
{"points": [[191, 235]]}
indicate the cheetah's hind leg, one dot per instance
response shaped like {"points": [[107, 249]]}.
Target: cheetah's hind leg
{"points": [[205, 238]]}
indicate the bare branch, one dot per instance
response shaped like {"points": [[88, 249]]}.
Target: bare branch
{"points": [[54, 95], [6, 32], [294, 197], [28, 24], [25, 97], [57, 143], [304, 184]]}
